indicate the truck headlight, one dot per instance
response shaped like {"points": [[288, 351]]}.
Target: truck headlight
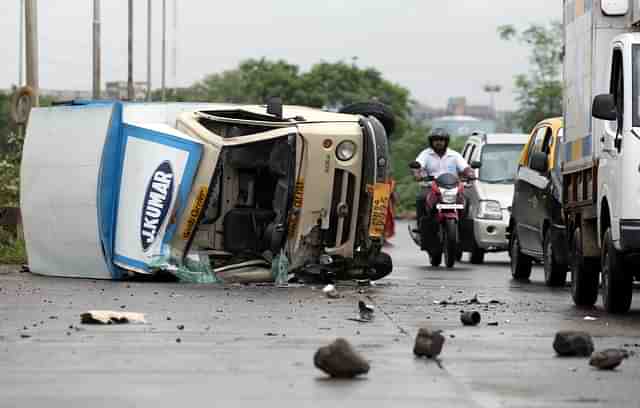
{"points": [[490, 210], [346, 150], [449, 196]]}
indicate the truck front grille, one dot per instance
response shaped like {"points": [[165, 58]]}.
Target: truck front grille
{"points": [[344, 184]]}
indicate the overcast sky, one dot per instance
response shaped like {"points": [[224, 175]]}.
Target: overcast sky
{"points": [[435, 48]]}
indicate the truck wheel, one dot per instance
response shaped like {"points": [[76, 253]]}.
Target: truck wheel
{"points": [[477, 253], [450, 243], [381, 266], [617, 283], [520, 263], [555, 274], [584, 273], [376, 109]]}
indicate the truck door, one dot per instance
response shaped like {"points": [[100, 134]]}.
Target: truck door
{"points": [[611, 140]]}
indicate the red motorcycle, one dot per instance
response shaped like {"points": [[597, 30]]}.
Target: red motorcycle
{"points": [[437, 231]]}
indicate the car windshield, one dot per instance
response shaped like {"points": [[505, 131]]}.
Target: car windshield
{"points": [[499, 162]]}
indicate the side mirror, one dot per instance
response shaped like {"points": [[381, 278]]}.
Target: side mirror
{"points": [[476, 164], [604, 107], [539, 162], [415, 165]]}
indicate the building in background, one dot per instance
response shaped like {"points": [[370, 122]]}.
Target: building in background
{"points": [[118, 90], [463, 125]]}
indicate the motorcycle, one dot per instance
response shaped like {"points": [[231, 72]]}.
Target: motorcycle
{"points": [[437, 233]]}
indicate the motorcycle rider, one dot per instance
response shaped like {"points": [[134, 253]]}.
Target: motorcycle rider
{"points": [[436, 160]]}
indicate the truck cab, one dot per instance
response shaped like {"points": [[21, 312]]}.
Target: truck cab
{"points": [[601, 194]]}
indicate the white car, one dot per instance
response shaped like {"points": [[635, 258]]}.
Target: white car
{"points": [[489, 198]]}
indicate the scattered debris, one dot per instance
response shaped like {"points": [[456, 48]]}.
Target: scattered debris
{"points": [[573, 343], [608, 359], [331, 292], [340, 360], [180, 327], [470, 318], [470, 301], [366, 311], [428, 343], [111, 317]]}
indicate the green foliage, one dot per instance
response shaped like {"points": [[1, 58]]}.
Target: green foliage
{"points": [[12, 250], [539, 93], [10, 153]]}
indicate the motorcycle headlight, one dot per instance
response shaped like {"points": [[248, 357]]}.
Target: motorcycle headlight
{"points": [[449, 196], [346, 150], [490, 210]]}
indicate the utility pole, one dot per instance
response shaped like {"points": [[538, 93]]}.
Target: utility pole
{"points": [[21, 45], [96, 49], [31, 18], [492, 89], [130, 94], [148, 50], [164, 48], [175, 42]]}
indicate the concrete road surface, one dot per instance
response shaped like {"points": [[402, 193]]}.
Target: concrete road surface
{"points": [[254, 345]]}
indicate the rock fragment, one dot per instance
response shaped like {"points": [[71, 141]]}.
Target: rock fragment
{"points": [[428, 343], [608, 359], [340, 360], [111, 317], [573, 343]]}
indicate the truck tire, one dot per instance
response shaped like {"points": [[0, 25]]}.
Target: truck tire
{"points": [[477, 253], [520, 263], [450, 243], [617, 282], [376, 109], [584, 273], [555, 274]]}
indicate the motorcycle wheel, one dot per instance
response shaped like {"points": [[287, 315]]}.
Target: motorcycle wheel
{"points": [[435, 258], [450, 242]]}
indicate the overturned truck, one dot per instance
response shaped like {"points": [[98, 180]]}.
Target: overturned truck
{"points": [[112, 190]]}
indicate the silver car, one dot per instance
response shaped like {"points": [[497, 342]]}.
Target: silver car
{"points": [[488, 199]]}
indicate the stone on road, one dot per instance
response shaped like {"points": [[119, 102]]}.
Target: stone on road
{"points": [[569, 343], [340, 360]]}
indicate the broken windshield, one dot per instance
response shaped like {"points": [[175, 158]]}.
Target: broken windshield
{"points": [[499, 162]]}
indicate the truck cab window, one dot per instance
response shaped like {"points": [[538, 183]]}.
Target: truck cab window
{"points": [[617, 84], [635, 53]]}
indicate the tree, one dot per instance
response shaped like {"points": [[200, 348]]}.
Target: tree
{"points": [[539, 93]]}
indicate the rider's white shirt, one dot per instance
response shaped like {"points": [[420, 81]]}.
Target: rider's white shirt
{"points": [[450, 162]]}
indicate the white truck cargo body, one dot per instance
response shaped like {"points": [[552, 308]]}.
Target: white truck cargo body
{"points": [[95, 185], [601, 184]]}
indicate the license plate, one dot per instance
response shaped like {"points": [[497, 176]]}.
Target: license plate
{"points": [[381, 193], [449, 206]]}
